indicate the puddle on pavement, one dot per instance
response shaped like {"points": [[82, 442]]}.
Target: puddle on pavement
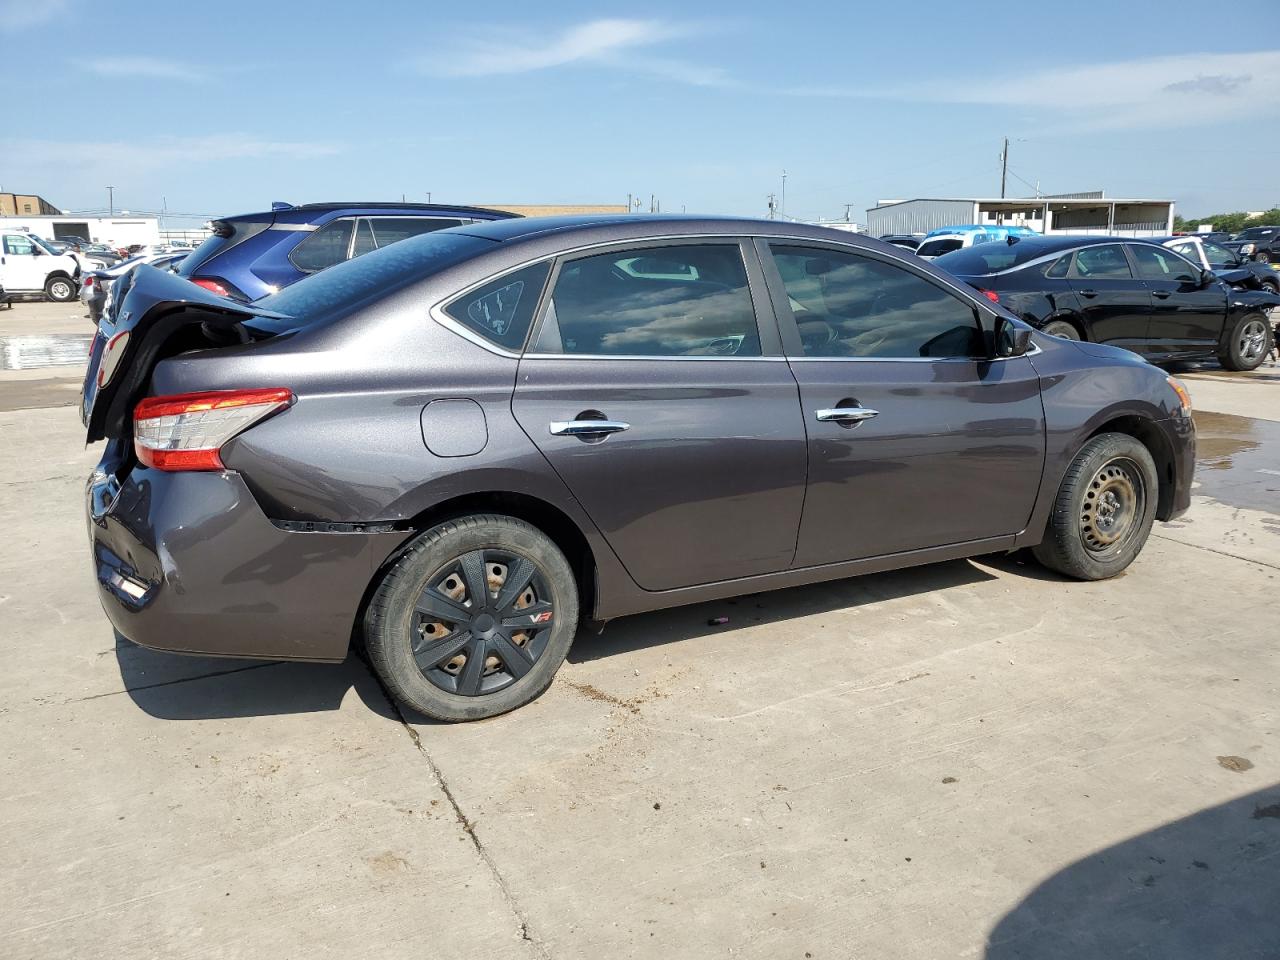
{"points": [[1238, 460], [34, 352]]}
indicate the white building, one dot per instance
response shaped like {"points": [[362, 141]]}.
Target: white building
{"points": [[117, 231], [1091, 214]]}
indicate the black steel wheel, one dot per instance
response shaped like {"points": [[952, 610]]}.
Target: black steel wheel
{"points": [[474, 619], [1104, 509]]}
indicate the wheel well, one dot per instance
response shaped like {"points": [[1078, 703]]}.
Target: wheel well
{"points": [[57, 275], [550, 520], [1148, 434]]}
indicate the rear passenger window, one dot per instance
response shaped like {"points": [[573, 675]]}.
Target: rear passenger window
{"points": [[1106, 262], [390, 230], [502, 309], [847, 305], [682, 300], [323, 247], [1157, 263], [1061, 267]]}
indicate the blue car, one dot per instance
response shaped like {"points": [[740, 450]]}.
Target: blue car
{"points": [[256, 254]]}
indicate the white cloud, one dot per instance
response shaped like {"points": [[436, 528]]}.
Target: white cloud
{"points": [[131, 156], [151, 67], [20, 14], [606, 42], [1180, 90]]}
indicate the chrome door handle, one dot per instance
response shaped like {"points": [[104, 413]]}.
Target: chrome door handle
{"points": [[846, 414], [578, 428]]}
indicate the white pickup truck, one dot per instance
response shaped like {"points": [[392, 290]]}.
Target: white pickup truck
{"points": [[29, 267]]}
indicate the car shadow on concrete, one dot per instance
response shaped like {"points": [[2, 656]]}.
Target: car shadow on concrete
{"points": [[689, 623], [175, 687], [1206, 887]]}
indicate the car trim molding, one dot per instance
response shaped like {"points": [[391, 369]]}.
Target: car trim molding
{"points": [[295, 227]]}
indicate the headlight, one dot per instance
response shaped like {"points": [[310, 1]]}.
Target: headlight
{"points": [[1248, 247], [1184, 398]]}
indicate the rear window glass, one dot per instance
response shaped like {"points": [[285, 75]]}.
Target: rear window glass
{"points": [[987, 258], [936, 248], [355, 283], [502, 310]]}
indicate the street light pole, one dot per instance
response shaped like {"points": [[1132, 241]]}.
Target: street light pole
{"points": [[111, 201], [1004, 166], [782, 206]]}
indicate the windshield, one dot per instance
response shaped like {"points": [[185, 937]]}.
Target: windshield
{"points": [[988, 258], [353, 283], [43, 244], [1256, 233]]}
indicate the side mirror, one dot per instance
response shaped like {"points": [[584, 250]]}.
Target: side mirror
{"points": [[1010, 339], [36, 251], [1207, 277]]}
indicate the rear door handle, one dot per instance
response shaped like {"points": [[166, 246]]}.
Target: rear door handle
{"points": [[846, 414], [1160, 294], [578, 428], [1090, 294]]}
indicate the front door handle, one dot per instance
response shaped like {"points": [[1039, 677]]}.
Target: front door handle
{"points": [[1088, 294], [846, 414], [1160, 294], [579, 428]]}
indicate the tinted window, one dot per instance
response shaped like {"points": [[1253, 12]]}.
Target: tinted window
{"points": [[502, 309], [1060, 268], [324, 247], [1160, 263], [392, 229], [1102, 263], [1188, 250], [936, 248], [851, 306], [355, 283], [364, 239], [988, 258], [671, 301]]}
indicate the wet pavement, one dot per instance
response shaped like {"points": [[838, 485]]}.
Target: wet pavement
{"points": [[1238, 460], [44, 350]]}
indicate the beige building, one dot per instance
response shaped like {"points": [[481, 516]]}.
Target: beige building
{"points": [[24, 204], [555, 209]]}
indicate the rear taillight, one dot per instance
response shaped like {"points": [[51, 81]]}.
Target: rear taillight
{"points": [[213, 286], [187, 431], [88, 281], [991, 295]]}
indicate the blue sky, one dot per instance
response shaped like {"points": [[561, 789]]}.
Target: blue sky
{"points": [[218, 108]]}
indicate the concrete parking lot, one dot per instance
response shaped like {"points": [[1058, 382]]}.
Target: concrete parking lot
{"points": [[971, 759]]}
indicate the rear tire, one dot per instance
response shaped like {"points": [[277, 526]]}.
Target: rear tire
{"points": [[1104, 510], [447, 636], [60, 289], [1063, 329], [1263, 257], [1248, 344]]}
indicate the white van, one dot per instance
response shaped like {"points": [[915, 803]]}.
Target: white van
{"points": [[29, 267]]}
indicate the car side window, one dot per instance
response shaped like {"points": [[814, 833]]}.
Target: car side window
{"points": [[364, 242], [1159, 263], [681, 300], [390, 230], [16, 246], [846, 305], [1218, 256], [324, 247], [1105, 262], [502, 310], [1060, 268]]}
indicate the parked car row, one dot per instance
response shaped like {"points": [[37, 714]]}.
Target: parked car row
{"points": [[1138, 294], [434, 445], [32, 266], [96, 286]]}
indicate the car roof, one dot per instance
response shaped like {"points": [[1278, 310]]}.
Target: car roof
{"points": [[624, 226], [308, 212]]}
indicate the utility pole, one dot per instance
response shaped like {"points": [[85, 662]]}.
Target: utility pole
{"points": [[772, 197], [429, 196], [1004, 166], [628, 203], [111, 201], [847, 208], [782, 208]]}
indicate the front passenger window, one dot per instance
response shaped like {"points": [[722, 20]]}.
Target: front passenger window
{"points": [[1158, 263], [847, 305]]}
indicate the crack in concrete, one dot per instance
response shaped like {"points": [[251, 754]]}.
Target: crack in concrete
{"points": [[468, 826], [1221, 553], [169, 683]]}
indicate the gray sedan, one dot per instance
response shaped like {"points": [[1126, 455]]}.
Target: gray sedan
{"points": [[460, 447]]}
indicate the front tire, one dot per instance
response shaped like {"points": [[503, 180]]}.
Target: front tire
{"points": [[1262, 257], [1063, 329], [1248, 344], [474, 619], [59, 289], [1104, 510]]}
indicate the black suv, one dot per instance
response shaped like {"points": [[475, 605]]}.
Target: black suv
{"points": [[1128, 293], [1258, 243]]}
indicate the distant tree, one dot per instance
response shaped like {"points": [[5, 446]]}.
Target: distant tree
{"points": [[1231, 222]]}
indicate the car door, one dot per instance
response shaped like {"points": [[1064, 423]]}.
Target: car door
{"points": [[22, 266], [1115, 305], [696, 472], [1187, 312], [916, 439]]}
